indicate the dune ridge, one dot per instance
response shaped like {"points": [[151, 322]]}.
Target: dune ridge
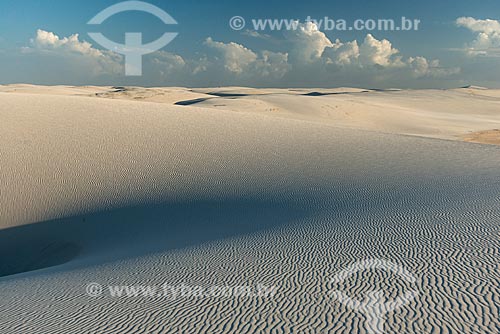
{"points": [[465, 114]]}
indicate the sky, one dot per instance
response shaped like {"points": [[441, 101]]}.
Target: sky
{"points": [[457, 44]]}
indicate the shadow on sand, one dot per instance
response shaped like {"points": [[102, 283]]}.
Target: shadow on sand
{"points": [[135, 231], [191, 102]]}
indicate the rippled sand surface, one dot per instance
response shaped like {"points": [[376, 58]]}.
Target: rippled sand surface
{"points": [[244, 187]]}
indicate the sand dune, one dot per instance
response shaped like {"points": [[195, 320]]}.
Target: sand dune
{"points": [[284, 188], [470, 113]]}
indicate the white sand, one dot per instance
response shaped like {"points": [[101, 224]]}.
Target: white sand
{"points": [[246, 187]]}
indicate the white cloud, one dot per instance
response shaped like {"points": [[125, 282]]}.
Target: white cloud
{"points": [[308, 43], [487, 42], [74, 50], [236, 57], [375, 52], [311, 48], [48, 40], [423, 68], [272, 64], [370, 53], [168, 63], [343, 53], [239, 60], [487, 26]]}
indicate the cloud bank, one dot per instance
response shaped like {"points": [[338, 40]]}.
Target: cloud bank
{"points": [[310, 59]]}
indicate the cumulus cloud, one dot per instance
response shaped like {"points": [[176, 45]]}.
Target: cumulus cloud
{"points": [[99, 62], [486, 26], [240, 60], [371, 52], [311, 48], [272, 64], [421, 67], [343, 53], [308, 42], [378, 52], [236, 57], [487, 42], [49, 40], [168, 63], [311, 59]]}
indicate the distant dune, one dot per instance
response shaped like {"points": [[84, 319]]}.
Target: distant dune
{"points": [[246, 187], [457, 114]]}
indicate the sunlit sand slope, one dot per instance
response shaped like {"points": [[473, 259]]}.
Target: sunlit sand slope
{"points": [[122, 192]]}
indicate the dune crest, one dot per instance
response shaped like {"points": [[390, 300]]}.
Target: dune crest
{"points": [[454, 114]]}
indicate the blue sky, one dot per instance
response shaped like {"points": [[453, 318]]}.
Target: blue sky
{"points": [[441, 54]]}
